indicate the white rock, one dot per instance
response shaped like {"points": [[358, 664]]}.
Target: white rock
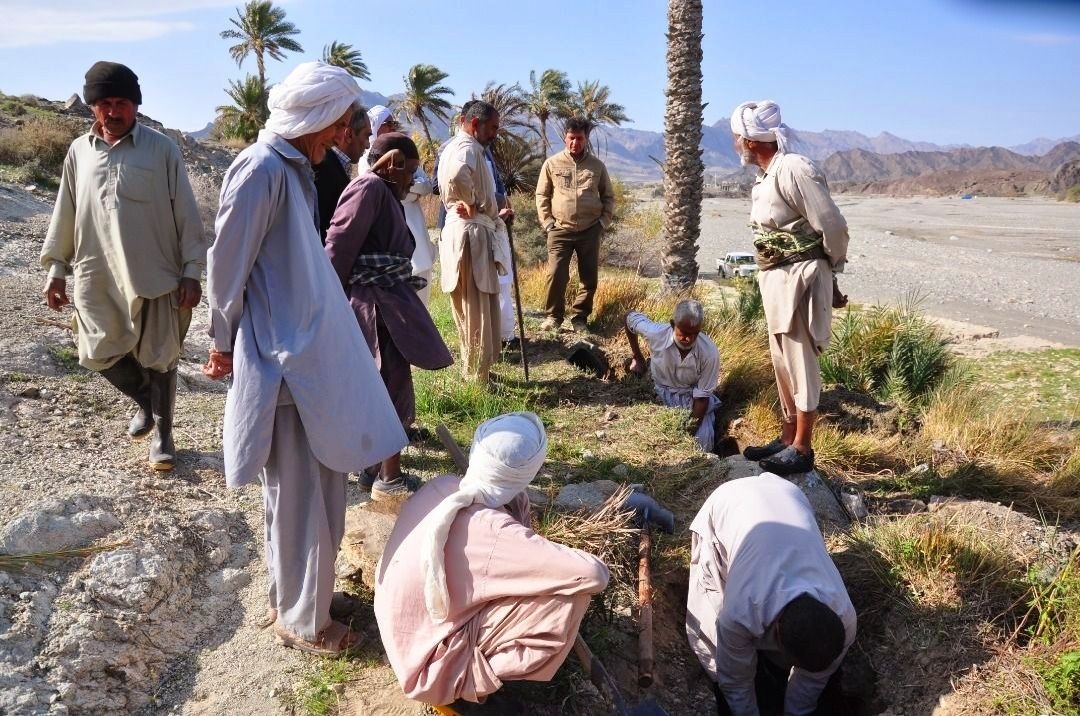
{"points": [[227, 580], [585, 495]]}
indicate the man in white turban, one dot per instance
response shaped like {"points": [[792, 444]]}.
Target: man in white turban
{"points": [[467, 595], [801, 242], [307, 404]]}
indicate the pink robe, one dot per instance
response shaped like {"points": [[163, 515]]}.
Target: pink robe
{"points": [[516, 600]]}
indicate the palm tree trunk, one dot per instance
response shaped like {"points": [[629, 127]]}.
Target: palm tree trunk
{"points": [[262, 67], [424, 124], [683, 168], [543, 136]]}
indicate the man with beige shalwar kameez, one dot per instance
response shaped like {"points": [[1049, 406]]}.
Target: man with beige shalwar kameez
{"points": [[473, 250], [801, 241], [127, 226], [467, 596]]}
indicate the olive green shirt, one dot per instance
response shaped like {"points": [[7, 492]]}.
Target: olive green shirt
{"points": [[125, 216], [573, 194]]}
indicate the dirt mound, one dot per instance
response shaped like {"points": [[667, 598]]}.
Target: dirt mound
{"points": [[857, 412]]}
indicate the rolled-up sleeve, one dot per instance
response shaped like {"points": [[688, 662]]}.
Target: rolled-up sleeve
{"points": [[250, 198]]}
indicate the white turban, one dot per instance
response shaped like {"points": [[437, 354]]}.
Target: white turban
{"points": [[760, 121], [310, 99], [506, 454]]}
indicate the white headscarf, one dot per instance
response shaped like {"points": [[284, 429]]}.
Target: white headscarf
{"points": [[378, 115], [310, 99], [760, 121], [506, 454]]}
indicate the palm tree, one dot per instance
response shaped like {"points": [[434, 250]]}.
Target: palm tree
{"points": [[548, 96], [518, 160], [345, 57], [592, 101], [246, 115], [509, 101], [683, 168], [262, 30], [424, 96]]}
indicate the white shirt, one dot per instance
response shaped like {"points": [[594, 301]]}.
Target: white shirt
{"points": [[698, 370], [756, 546]]}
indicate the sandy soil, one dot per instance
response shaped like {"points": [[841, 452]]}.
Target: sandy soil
{"points": [[1009, 264]]}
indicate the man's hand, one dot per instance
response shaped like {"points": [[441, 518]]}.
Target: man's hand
{"points": [[56, 293], [692, 425], [218, 365], [190, 293], [637, 367], [465, 211], [507, 215]]}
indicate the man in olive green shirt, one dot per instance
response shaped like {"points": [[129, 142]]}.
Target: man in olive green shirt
{"points": [[127, 227], [575, 202]]}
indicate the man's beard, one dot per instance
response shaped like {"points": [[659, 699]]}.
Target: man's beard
{"points": [[746, 158]]}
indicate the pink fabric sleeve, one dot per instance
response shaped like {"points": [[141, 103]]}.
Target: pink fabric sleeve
{"points": [[524, 563]]}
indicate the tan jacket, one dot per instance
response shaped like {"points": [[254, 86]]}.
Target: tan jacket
{"points": [[574, 194]]}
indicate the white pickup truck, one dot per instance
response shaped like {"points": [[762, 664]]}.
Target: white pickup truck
{"points": [[736, 264]]}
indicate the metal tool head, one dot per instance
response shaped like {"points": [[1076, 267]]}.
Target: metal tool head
{"points": [[648, 510]]}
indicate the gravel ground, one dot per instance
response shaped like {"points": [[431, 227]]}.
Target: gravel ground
{"points": [[1010, 264]]}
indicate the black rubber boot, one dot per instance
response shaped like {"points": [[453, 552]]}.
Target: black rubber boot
{"points": [[133, 380], [163, 400]]}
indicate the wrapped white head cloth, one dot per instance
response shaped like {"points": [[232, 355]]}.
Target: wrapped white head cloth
{"points": [[760, 121], [506, 454], [310, 99]]}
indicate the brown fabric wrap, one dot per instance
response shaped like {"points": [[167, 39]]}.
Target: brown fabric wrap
{"points": [[768, 258]]}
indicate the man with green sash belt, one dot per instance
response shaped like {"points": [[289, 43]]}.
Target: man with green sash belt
{"points": [[801, 242]]}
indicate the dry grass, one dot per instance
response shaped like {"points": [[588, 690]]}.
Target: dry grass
{"points": [[999, 450], [604, 533], [11, 562], [937, 563]]}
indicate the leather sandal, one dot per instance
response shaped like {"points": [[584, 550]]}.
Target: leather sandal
{"points": [[335, 640]]}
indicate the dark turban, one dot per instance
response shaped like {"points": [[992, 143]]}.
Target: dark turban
{"points": [[392, 140], [111, 79]]}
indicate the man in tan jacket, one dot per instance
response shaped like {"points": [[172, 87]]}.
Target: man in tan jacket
{"points": [[575, 203]]}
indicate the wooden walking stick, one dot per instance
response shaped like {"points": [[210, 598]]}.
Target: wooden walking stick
{"points": [[517, 300]]}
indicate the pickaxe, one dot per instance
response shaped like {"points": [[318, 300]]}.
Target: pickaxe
{"points": [[647, 511]]}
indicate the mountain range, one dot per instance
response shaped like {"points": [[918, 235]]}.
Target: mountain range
{"points": [[846, 156]]}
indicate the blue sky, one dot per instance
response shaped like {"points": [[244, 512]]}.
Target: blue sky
{"points": [[947, 71]]}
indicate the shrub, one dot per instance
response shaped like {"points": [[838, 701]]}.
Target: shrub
{"points": [[889, 352], [1073, 194], [529, 240], [40, 139]]}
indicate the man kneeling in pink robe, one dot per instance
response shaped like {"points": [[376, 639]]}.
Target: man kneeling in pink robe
{"points": [[467, 595]]}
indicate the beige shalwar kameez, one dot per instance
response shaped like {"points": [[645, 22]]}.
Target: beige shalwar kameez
{"points": [[472, 252], [755, 547], [127, 226], [515, 600], [792, 196]]}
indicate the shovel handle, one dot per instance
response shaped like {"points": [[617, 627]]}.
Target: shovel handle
{"points": [[646, 658], [452, 447]]}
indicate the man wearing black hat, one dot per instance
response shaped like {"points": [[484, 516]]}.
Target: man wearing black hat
{"points": [[127, 227]]}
